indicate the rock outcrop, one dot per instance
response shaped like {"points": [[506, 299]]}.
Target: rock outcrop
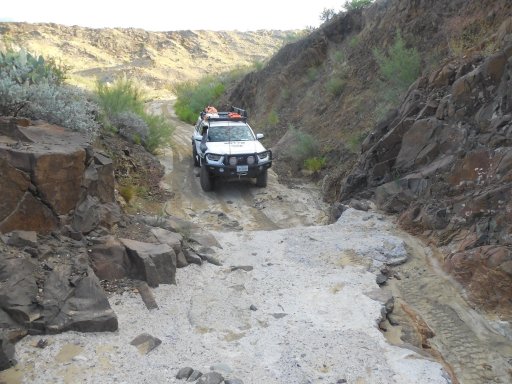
{"points": [[53, 176], [443, 162]]}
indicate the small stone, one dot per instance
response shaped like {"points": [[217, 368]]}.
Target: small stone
{"points": [[381, 279], [211, 378], [42, 343], [145, 343], [341, 381], [246, 268], [194, 375], [253, 307], [221, 367], [184, 373], [233, 381], [279, 315], [80, 358]]}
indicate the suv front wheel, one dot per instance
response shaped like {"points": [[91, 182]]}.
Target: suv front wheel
{"points": [[261, 179], [205, 179]]}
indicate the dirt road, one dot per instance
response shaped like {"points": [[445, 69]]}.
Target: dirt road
{"points": [[234, 205], [295, 301]]}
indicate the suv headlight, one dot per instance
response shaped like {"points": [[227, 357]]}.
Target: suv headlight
{"points": [[264, 156], [213, 157]]}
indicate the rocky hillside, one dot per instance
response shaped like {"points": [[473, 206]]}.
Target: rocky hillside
{"points": [[441, 157], [157, 59]]}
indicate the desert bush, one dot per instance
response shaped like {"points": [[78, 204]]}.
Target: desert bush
{"points": [[67, 106], [128, 192], [123, 108], [159, 132], [355, 140], [33, 86], [356, 4], [192, 97], [273, 118], [313, 73], [121, 96], [302, 146], [327, 14], [335, 86], [314, 164], [400, 67]]}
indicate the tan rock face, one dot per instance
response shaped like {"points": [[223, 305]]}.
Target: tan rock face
{"points": [[44, 176]]}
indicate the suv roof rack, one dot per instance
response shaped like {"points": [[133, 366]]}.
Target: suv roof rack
{"points": [[240, 115]]}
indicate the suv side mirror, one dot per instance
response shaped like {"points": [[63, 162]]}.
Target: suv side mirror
{"points": [[259, 136]]}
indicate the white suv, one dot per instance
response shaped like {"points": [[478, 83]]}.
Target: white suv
{"points": [[225, 146]]}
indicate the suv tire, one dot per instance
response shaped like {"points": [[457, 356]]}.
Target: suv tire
{"points": [[205, 179], [261, 179], [195, 156]]}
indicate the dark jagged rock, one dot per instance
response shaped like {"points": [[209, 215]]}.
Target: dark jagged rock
{"points": [[211, 378], [446, 170], [145, 343], [184, 373], [153, 263]]}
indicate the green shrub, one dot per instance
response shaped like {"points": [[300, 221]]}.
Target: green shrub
{"points": [[400, 67], [192, 97], [122, 95], [335, 86], [356, 4], [128, 192], [159, 132], [354, 142], [122, 103], [302, 147], [273, 118], [354, 41], [313, 73], [314, 164], [33, 86]]}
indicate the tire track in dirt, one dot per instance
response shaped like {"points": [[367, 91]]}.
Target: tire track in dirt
{"points": [[468, 344]]}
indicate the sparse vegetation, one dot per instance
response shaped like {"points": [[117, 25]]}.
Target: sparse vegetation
{"points": [[400, 67], [33, 86], [127, 192], [314, 164], [303, 146], [335, 86], [273, 118], [354, 41], [355, 140], [356, 4], [123, 110], [327, 14], [313, 73]]}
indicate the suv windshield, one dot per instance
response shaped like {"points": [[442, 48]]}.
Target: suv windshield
{"points": [[230, 133]]}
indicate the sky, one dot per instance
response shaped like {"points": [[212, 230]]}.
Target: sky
{"points": [[171, 15]]}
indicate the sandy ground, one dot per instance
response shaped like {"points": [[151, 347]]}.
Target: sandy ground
{"points": [[314, 320]]}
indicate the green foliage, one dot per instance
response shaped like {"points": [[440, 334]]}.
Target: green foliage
{"points": [[338, 57], [354, 41], [123, 109], [33, 86], [356, 4], [313, 73], [273, 118], [314, 164], [159, 132], [192, 97], [335, 86], [327, 14], [354, 142], [400, 67], [25, 68], [302, 147], [128, 192], [122, 95], [258, 65]]}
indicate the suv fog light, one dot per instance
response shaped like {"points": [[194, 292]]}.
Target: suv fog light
{"points": [[250, 160], [232, 161]]}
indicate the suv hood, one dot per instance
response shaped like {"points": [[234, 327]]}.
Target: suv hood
{"points": [[235, 147]]}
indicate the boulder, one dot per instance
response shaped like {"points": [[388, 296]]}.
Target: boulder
{"points": [[211, 378], [22, 239], [153, 263], [18, 296], [109, 259], [74, 300], [6, 353]]}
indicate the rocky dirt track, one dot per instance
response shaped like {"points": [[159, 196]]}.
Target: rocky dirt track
{"points": [[293, 301]]}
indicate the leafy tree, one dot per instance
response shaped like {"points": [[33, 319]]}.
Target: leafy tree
{"points": [[327, 14], [357, 4]]}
